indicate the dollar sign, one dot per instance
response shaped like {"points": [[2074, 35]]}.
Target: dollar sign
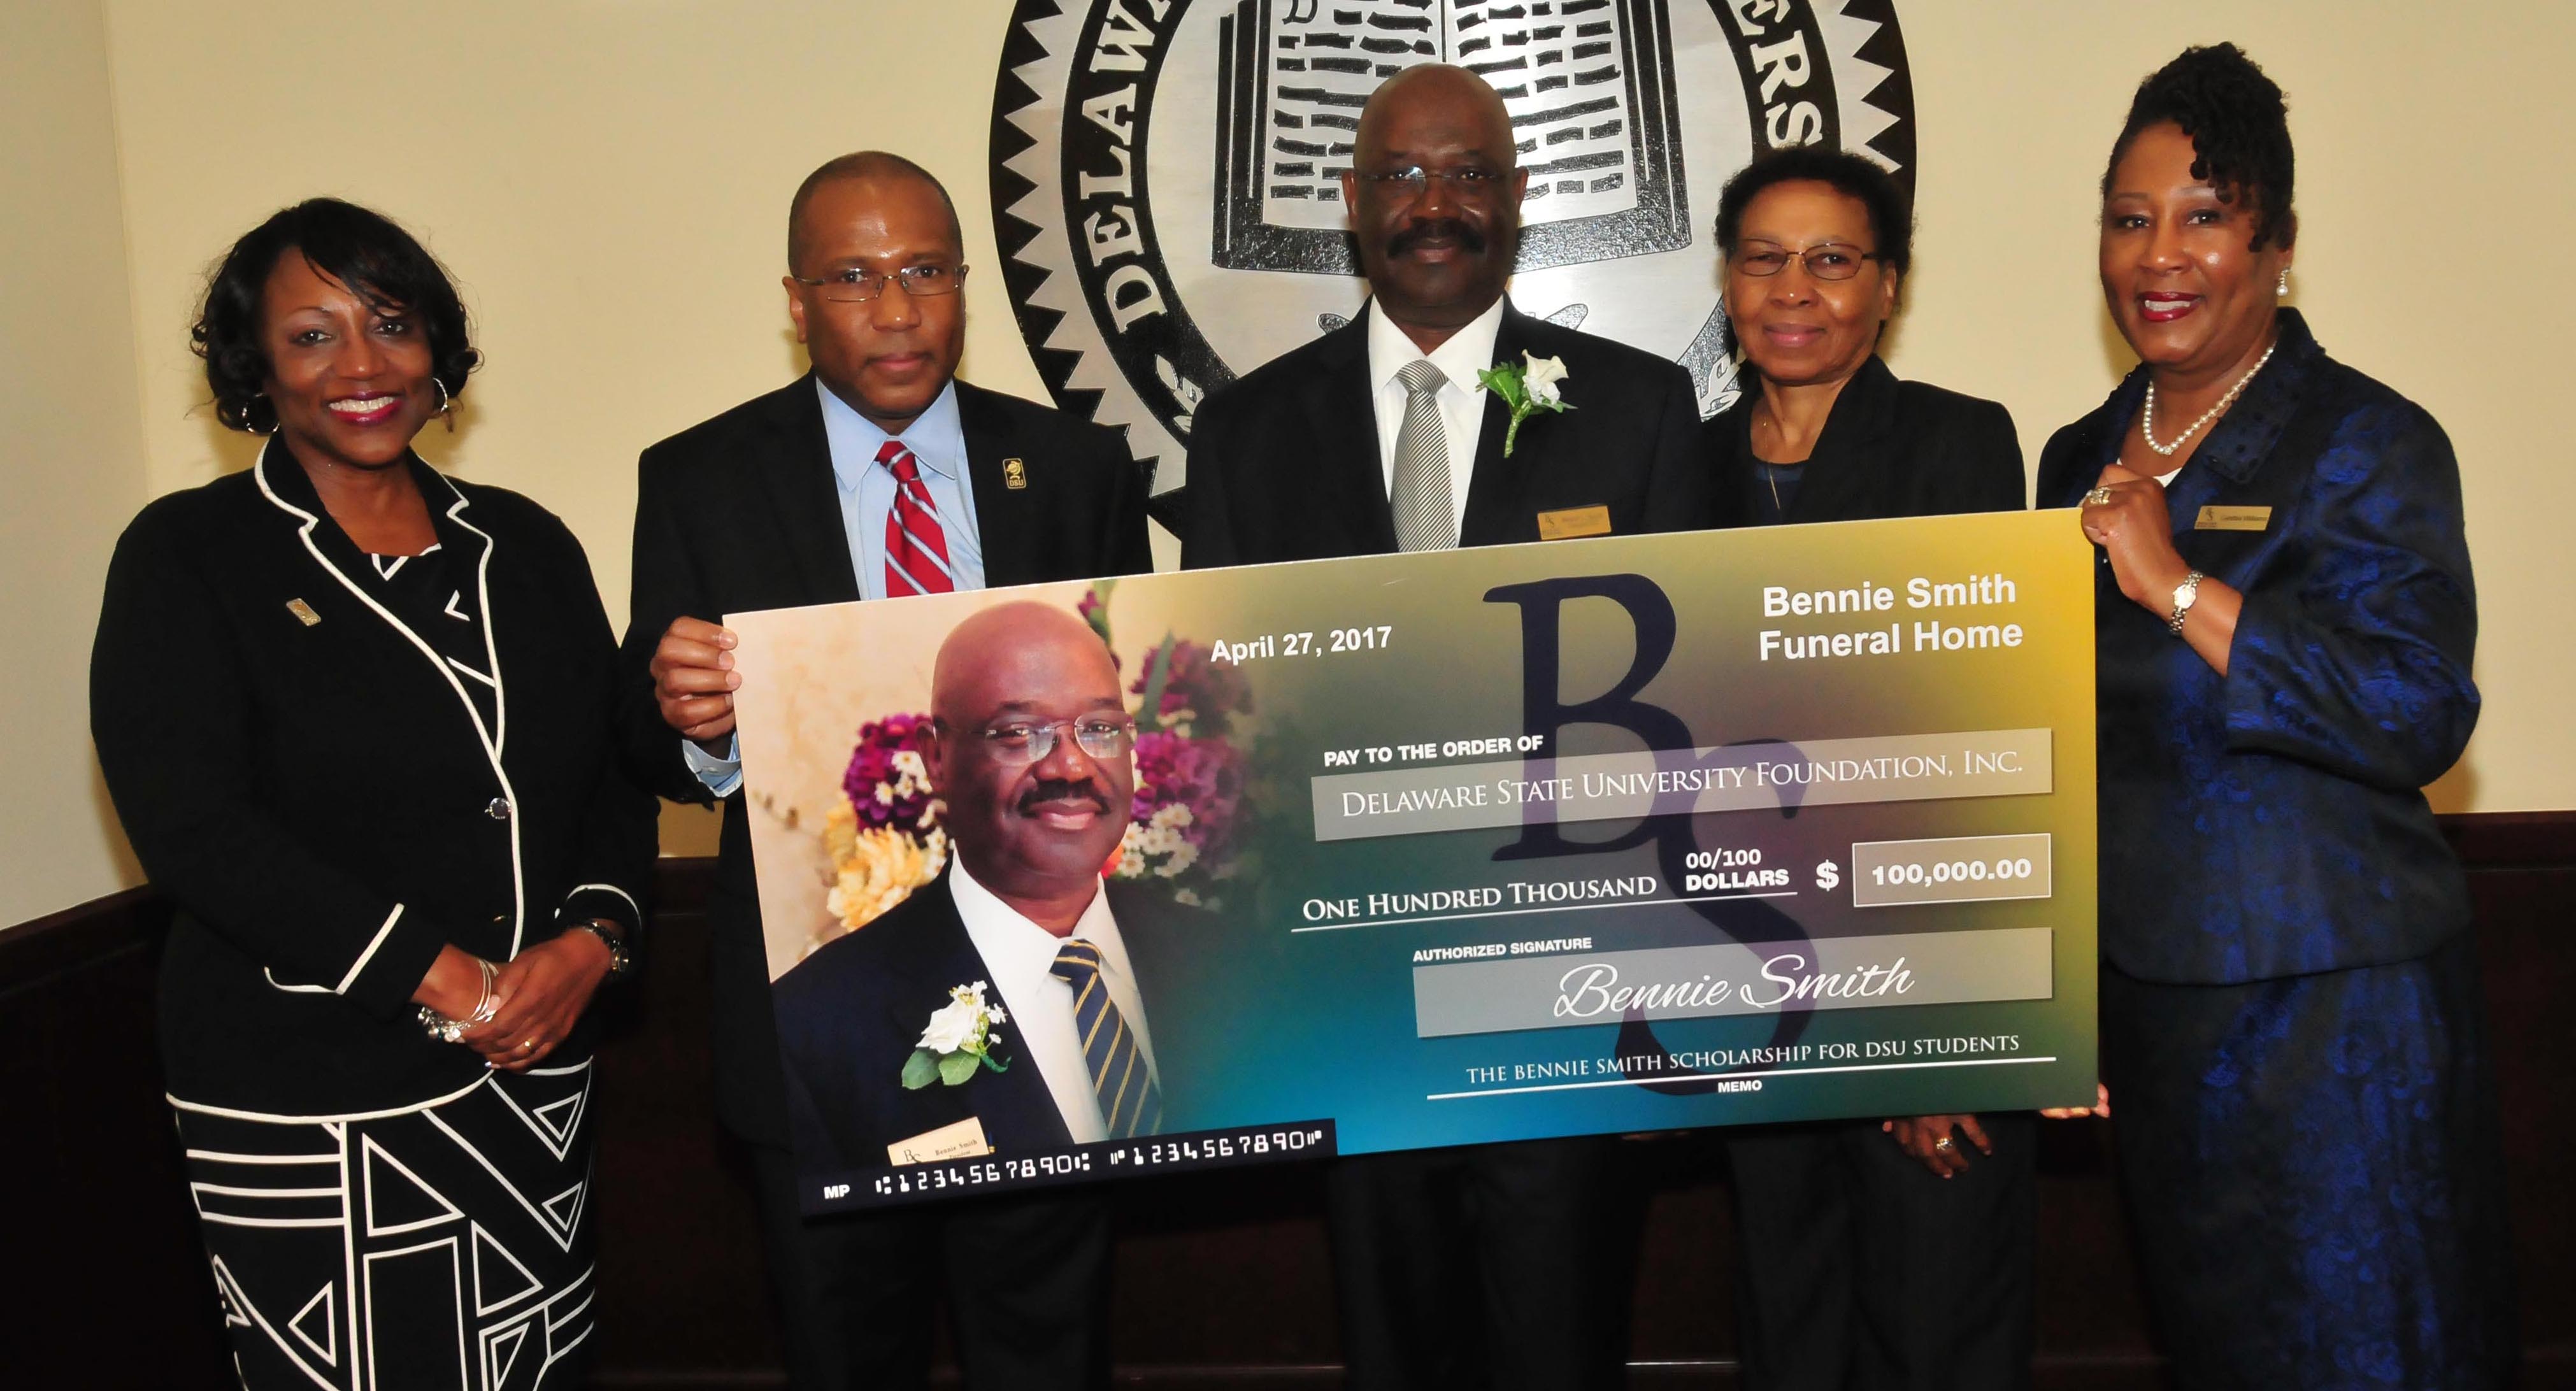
{"points": [[1828, 875]]}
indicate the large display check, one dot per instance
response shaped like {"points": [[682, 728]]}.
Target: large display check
{"points": [[1587, 836]]}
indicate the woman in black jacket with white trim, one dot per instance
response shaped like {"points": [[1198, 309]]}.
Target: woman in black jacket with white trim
{"points": [[356, 718]]}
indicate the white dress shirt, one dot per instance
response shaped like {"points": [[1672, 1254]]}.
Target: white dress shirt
{"points": [[1462, 403], [937, 439], [1041, 1032]]}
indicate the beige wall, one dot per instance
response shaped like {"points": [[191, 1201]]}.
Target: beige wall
{"points": [[2429, 141], [607, 180], [71, 447]]}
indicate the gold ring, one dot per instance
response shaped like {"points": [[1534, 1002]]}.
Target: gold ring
{"points": [[524, 1047], [1941, 1144], [2099, 497]]}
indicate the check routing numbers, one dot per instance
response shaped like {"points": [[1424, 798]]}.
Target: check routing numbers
{"points": [[1200, 1149], [1943, 633]]}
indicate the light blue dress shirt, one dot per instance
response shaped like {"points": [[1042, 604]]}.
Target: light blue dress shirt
{"points": [[937, 440], [867, 487]]}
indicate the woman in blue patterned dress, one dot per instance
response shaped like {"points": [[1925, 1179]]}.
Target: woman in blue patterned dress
{"points": [[2292, 1027]]}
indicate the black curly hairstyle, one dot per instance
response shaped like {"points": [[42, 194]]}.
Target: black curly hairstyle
{"points": [[361, 249], [1891, 212], [2239, 126]]}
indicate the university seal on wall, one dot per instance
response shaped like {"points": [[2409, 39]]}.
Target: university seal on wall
{"points": [[1166, 173]]}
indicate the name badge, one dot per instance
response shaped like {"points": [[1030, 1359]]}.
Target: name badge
{"points": [[1566, 523], [2233, 519], [303, 612], [963, 1140]]}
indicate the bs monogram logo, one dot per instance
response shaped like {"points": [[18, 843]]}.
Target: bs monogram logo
{"points": [[1166, 172]]}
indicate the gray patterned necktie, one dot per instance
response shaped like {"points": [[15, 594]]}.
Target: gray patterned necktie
{"points": [[1424, 516]]}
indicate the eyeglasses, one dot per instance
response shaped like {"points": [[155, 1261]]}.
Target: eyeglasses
{"points": [[1412, 181], [1022, 743], [856, 286], [1824, 261]]}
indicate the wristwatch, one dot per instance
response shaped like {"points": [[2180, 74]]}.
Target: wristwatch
{"points": [[618, 959], [2185, 595]]}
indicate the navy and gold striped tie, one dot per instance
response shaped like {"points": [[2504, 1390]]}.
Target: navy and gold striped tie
{"points": [[1129, 1101]]}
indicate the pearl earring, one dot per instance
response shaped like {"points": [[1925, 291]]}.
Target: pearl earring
{"points": [[2282, 290]]}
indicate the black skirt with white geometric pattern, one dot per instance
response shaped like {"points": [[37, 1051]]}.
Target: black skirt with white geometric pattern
{"points": [[446, 1246]]}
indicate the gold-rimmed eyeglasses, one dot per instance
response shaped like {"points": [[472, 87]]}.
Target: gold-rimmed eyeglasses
{"points": [[856, 286], [1017, 742], [1412, 181], [1824, 260]]}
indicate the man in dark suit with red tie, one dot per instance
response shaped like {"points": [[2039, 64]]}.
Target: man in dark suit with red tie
{"points": [[878, 474], [1487, 1266]]}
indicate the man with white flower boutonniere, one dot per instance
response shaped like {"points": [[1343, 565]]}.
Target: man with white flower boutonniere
{"points": [[1440, 416], [1444, 417], [1007, 1005]]}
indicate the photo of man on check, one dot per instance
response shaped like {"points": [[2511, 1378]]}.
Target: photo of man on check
{"points": [[1008, 1005]]}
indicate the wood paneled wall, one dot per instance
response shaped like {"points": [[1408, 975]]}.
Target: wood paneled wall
{"points": [[1222, 1280]]}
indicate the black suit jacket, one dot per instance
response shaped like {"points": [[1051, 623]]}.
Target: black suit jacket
{"points": [[1284, 464], [322, 802], [850, 1014], [741, 513], [1890, 449]]}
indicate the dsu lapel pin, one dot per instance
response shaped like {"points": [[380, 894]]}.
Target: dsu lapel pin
{"points": [[303, 612], [1015, 475]]}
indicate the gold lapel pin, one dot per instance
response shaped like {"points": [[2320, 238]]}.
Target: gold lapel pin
{"points": [[1015, 475], [303, 612]]}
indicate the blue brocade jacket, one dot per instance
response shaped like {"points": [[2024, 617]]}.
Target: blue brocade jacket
{"points": [[2271, 822]]}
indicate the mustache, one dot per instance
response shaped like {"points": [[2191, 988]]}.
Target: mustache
{"points": [[1060, 790], [1455, 229]]}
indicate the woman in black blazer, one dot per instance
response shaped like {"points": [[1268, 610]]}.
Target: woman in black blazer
{"points": [[1873, 1253], [357, 720]]}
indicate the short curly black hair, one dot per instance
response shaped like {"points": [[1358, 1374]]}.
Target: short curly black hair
{"points": [[2239, 126], [361, 249], [1858, 177]]}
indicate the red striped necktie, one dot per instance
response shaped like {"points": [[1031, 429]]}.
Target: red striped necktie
{"points": [[916, 549]]}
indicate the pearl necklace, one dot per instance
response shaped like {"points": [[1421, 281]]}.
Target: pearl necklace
{"points": [[2147, 426]]}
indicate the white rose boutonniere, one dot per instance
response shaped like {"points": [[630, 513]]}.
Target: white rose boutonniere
{"points": [[958, 1041], [1527, 389]]}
